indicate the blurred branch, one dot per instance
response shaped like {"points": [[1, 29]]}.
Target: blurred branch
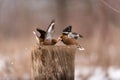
{"points": [[62, 11], [109, 6]]}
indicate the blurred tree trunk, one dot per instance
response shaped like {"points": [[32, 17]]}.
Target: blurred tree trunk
{"points": [[62, 11], [102, 32]]}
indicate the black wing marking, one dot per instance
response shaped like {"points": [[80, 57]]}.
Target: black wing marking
{"points": [[42, 33], [67, 29], [74, 35], [77, 35]]}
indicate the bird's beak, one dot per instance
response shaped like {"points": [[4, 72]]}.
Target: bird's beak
{"points": [[59, 39]]}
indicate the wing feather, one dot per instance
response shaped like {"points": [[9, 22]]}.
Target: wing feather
{"points": [[42, 33], [50, 30]]}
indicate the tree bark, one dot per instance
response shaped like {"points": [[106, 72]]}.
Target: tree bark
{"points": [[53, 62]]}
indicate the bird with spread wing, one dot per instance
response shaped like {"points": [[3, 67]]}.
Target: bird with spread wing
{"points": [[70, 38], [46, 37]]}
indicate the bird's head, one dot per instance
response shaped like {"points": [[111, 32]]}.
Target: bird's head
{"points": [[62, 37]]}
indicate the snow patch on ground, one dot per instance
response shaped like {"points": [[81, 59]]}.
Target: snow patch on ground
{"points": [[2, 63], [97, 73], [114, 73]]}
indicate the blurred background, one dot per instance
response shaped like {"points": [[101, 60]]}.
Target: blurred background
{"points": [[97, 20]]}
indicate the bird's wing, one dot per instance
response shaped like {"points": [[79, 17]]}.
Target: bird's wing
{"points": [[74, 35], [50, 30], [42, 33], [70, 35], [67, 30], [36, 36]]}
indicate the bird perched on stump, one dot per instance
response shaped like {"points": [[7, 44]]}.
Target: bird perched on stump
{"points": [[70, 38], [68, 31], [46, 37]]}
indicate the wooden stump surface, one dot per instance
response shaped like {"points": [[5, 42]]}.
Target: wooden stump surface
{"points": [[53, 62]]}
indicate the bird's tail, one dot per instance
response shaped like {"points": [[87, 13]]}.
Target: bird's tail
{"points": [[80, 36]]}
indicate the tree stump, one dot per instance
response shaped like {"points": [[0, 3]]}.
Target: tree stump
{"points": [[53, 62]]}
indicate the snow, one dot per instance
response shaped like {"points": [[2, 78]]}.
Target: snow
{"points": [[97, 73], [2, 64], [82, 72], [114, 73]]}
